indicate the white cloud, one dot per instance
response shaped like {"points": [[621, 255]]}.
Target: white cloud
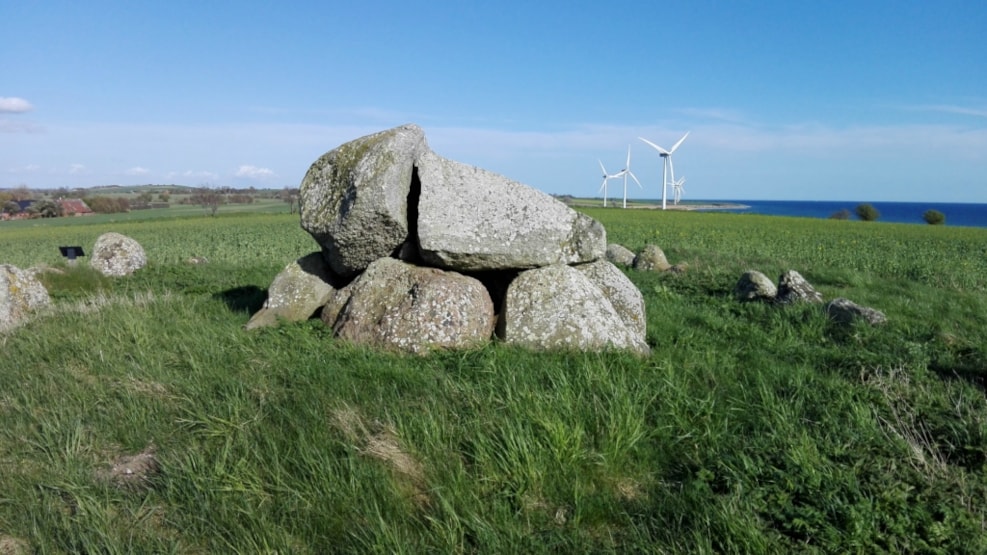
{"points": [[78, 169], [12, 104], [137, 170], [253, 172]]}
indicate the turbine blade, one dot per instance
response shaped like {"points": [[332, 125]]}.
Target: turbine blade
{"points": [[602, 168], [628, 166], [634, 177], [654, 146], [679, 143]]}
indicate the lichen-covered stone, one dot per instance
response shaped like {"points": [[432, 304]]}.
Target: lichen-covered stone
{"points": [[619, 254], [558, 307], [354, 199], [793, 288], [754, 286], [471, 219], [296, 293], [21, 294], [625, 297], [651, 259], [410, 308], [117, 255], [845, 311]]}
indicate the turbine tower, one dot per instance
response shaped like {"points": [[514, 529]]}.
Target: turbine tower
{"points": [[624, 173], [667, 170], [606, 179]]}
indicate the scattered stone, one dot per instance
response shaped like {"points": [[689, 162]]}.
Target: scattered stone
{"points": [[197, 260], [21, 294], [354, 199], [619, 255], [411, 308], [471, 219], [651, 259], [117, 255], [297, 293], [793, 288], [845, 311], [558, 307], [625, 297], [680, 268], [754, 286], [133, 472]]}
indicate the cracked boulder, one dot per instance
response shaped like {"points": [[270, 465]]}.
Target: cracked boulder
{"points": [[354, 199]]}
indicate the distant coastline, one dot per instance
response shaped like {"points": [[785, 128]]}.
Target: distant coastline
{"points": [[700, 206], [957, 214]]}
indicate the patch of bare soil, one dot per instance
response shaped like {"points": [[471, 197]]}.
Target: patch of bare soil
{"points": [[133, 472], [10, 545]]}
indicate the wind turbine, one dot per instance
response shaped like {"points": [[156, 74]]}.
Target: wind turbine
{"points": [[666, 167], [606, 179], [624, 173], [677, 190]]}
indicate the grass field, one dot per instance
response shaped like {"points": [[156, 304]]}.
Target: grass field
{"points": [[750, 428]]}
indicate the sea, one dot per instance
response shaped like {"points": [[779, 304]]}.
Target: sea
{"points": [[957, 214]]}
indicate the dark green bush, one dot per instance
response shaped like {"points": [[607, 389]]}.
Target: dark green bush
{"points": [[934, 217], [867, 212]]}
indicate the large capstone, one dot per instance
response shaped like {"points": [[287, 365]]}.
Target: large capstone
{"points": [[558, 307], [410, 308], [21, 294], [354, 199], [300, 290], [471, 219], [117, 255]]}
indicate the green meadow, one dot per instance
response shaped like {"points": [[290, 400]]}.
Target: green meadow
{"points": [[749, 429]]}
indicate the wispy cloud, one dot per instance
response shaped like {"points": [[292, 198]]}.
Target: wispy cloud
{"points": [[78, 169], [725, 115], [980, 112], [253, 172], [14, 105], [137, 171], [199, 176], [11, 126]]}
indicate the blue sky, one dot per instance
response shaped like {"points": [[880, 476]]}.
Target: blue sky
{"points": [[860, 101]]}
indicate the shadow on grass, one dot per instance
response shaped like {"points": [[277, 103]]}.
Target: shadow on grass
{"points": [[974, 372], [247, 299]]}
